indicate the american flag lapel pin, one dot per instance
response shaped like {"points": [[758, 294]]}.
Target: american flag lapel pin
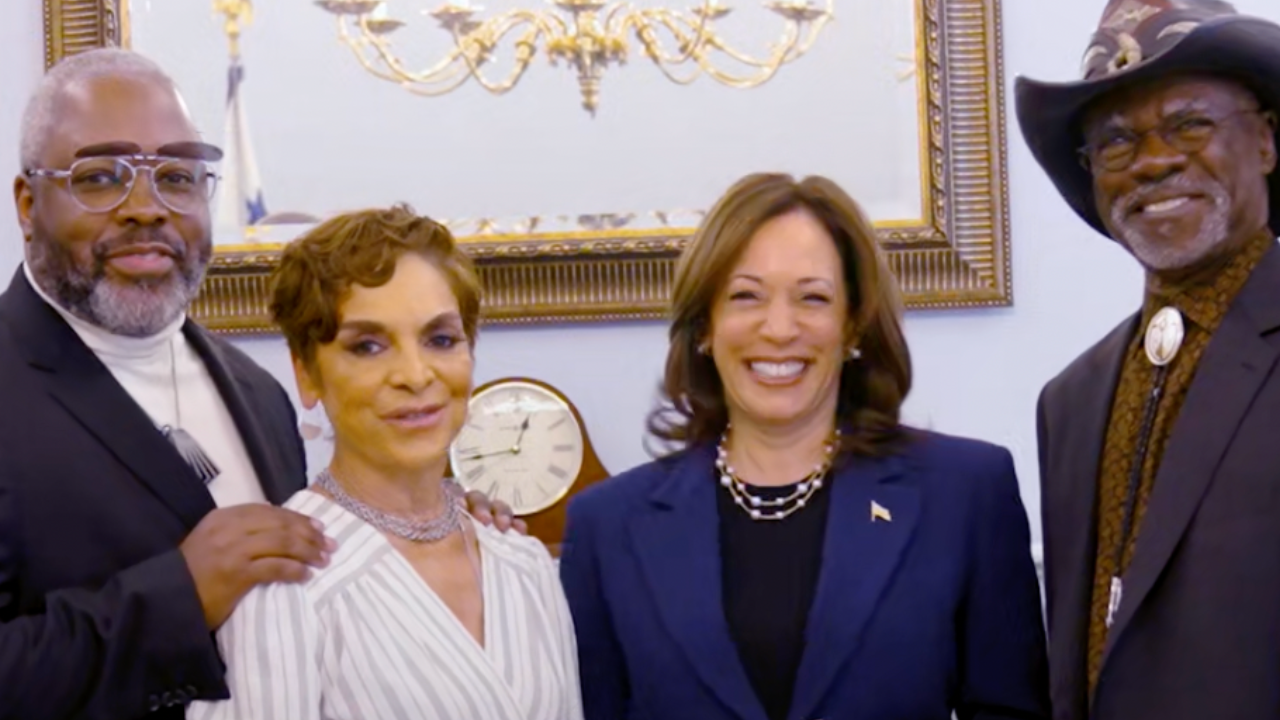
{"points": [[880, 512]]}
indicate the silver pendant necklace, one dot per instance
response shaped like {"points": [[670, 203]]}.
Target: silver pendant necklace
{"points": [[187, 447], [412, 529]]}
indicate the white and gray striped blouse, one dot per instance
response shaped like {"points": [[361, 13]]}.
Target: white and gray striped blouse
{"points": [[366, 638]]}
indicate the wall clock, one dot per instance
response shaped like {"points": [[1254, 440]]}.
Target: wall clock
{"points": [[524, 443]]}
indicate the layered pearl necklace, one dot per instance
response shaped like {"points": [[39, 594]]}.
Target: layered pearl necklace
{"points": [[763, 508]]}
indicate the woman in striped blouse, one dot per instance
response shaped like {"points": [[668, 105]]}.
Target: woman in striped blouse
{"points": [[421, 612]]}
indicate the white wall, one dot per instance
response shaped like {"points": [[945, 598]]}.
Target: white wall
{"points": [[22, 60], [978, 373]]}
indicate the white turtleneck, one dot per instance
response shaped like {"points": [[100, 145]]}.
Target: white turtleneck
{"points": [[165, 375]]}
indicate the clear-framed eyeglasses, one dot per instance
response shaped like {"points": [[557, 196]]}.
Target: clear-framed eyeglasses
{"points": [[101, 184]]}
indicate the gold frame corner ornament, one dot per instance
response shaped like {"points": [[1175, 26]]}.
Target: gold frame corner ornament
{"points": [[957, 257], [72, 26]]}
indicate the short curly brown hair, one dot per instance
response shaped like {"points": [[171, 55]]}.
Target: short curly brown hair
{"points": [[361, 248]]}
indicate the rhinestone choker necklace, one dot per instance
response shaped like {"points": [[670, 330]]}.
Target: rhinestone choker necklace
{"points": [[412, 529]]}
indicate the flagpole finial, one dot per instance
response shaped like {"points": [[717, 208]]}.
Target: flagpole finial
{"points": [[238, 14]]}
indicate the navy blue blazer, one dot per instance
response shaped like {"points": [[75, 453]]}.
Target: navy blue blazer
{"points": [[933, 610]]}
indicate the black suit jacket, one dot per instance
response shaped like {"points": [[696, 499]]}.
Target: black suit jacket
{"points": [[1197, 634], [99, 616]]}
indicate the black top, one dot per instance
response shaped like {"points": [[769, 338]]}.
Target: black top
{"points": [[769, 578]]}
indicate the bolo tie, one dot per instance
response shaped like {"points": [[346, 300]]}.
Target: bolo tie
{"points": [[182, 441], [1163, 339]]}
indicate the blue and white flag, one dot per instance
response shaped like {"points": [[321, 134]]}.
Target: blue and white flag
{"points": [[240, 200]]}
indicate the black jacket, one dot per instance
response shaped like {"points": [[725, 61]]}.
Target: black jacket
{"points": [[99, 616]]}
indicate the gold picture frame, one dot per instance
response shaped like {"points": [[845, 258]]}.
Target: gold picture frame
{"points": [[957, 257]]}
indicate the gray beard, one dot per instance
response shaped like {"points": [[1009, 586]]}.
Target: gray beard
{"points": [[1159, 255], [133, 309]]}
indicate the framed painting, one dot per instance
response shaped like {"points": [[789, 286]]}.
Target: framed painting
{"points": [[578, 216]]}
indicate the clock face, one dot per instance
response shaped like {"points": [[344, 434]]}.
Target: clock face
{"points": [[521, 444]]}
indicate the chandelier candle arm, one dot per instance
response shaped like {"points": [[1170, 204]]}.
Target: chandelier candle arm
{"points": [[464, 60], [709, 12], [769, 66], [449, 77], [587, 35]]}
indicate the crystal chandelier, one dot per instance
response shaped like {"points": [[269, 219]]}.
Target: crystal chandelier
{"points": [[588, 35]]}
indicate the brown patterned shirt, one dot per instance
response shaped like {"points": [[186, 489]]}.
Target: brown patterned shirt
{"points": [[1203, 306]]}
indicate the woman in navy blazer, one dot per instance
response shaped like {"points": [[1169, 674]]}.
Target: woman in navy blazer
{"points": [[801, 554]]}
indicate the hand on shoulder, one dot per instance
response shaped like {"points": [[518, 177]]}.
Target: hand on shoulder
{"points": [[236, 548], [494, 513]]}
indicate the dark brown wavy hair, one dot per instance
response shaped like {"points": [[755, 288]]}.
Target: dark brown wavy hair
{"points": [[361, 248], [872, 387]]}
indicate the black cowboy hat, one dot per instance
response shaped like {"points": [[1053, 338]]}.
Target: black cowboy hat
{"points": [[1137, 41]]}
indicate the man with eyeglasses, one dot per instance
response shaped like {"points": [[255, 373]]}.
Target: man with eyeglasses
{"points": [[140, 456], [1160, 445]]}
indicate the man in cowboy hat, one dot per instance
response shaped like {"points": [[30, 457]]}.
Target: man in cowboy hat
{"points": [[1160, 445]]}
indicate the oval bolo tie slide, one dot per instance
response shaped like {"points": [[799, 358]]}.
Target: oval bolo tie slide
{"points": [[1164, 336]]}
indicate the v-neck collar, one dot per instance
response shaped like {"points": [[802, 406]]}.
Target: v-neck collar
{"points": [[484, 662], [403, 564]]}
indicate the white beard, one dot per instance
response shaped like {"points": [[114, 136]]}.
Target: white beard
{"points": [[1158, 255]]}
